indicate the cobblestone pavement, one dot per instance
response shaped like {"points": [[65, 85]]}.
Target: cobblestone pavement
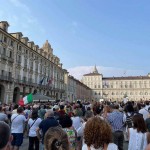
{"points": [[25, 145]]}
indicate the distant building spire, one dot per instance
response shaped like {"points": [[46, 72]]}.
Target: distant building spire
{"points": [[47, 47], [95, 69]]}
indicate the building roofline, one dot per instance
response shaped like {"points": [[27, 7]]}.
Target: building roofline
{"points": [[9, 34], [92, 74], [126, 78]]}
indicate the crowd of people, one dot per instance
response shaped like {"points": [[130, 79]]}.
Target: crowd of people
{"points": [[76, 126]]}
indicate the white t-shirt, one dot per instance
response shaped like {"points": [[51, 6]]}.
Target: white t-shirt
{"points": [[111, 146], [32, 130], [14, 111], [76, 122], [144, 112], [17, 123], [135, 140], [80, 130]]}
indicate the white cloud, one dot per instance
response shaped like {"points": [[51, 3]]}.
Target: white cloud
{"points": [[24, 21], [79, 71]]}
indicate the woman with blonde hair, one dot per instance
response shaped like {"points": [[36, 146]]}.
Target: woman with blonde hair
{"points": [[56, 139], [98, 135]]}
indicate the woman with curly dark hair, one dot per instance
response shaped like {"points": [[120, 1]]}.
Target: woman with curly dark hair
{"points": [[98, 135]]}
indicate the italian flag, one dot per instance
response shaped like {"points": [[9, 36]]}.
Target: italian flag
{"points": [[25, 100]]}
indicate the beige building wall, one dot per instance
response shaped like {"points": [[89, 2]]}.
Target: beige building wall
{"points": [[116, 88], [26, 68]]}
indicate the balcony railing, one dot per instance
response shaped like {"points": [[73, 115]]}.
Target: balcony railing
{"points": [[18, 63], [36, 69], [25, 66], [6, 78], [10, 59], [3, 56]]}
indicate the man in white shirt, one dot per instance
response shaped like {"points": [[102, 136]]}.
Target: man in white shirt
{"points": [[17, 128], [144, 111]]}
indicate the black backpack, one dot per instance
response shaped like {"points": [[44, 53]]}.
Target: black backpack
{"points": [[129, 121]]}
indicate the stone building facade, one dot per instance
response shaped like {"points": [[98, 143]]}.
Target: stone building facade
{"points": [[26, 68], [116, 88], [75, 90]]}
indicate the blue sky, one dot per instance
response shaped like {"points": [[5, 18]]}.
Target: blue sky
{"points": [[111, 34]]}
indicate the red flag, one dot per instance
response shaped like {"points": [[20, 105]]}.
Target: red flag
{"points": [[21, 102]]}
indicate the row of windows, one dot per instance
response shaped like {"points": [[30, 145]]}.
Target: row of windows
{"points": [[125, 83], [97, 93], [5, 40], [19, 47], [129, 93], [122, 83], [4, 73], [127, 86], [8, 53]]}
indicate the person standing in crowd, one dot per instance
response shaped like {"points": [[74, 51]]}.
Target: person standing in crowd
{"points": [[115, 119], [98, 135], [15, 109], [5, 136], [106, 111], [144, 111], [17, 127], [56, 113], [148, 121], [3, 116], [61, 112], [47, 123], [138, 138], [77, 123], [66, 124], [33, 124], [41, 112], [56, 139], [80, 131], [27, 111]]}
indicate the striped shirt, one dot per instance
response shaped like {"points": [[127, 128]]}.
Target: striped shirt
{"points": [[115, 119]]}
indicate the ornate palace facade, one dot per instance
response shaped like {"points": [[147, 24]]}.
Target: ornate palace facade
{"points": [[116, 88], [26, 68]]}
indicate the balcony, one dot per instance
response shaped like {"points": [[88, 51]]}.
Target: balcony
{"points": [[25, 66], [31, 69], [18, 81], [3, 56], [6, 78], [10, 59], [24, 82], [18, 63], [36, 70]]}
